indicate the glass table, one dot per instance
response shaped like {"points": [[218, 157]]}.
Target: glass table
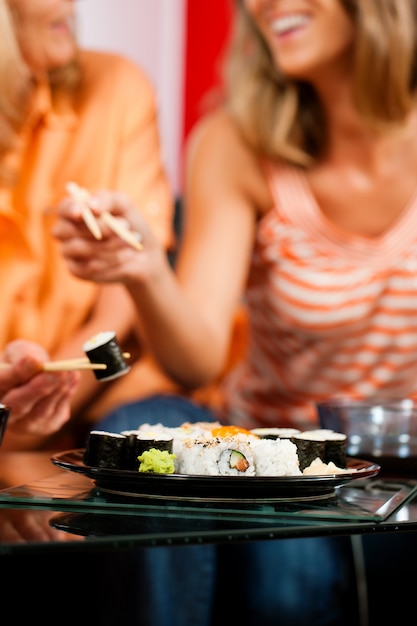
{"points": [[70, 512], [82, 536]]}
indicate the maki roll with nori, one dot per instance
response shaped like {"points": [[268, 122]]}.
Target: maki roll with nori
{"points": [[103, 348], [309, 448], [4, 416], [139, 442], [335, 446], [323, 444], [275, 433], [106, 450]]}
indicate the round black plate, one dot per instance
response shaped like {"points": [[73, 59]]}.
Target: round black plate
{"points": [[218, 488]]}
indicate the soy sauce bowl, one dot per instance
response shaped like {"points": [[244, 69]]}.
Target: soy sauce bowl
{"points": [[4, 416], [380, 430]]}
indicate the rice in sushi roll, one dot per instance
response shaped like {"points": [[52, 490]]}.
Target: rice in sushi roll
{"points": [[276, 457], [275, 433], [216, 456]]}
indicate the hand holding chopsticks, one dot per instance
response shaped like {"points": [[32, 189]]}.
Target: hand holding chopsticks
{"points": [[82, 196]]}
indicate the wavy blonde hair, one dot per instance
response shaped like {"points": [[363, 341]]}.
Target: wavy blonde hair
{"points": [[16, 85], [283, 118]]}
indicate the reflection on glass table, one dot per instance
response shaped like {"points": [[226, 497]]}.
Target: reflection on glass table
{"points": [[366, 504], [91, 518], [21, 526]]}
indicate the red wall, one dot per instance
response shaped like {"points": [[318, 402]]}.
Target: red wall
{"points": [[207, 26]]}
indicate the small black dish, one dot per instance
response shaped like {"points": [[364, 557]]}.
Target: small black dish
{"points": [[4, 416]]}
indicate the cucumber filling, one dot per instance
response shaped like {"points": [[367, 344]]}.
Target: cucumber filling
{"points": [[238, 461]]}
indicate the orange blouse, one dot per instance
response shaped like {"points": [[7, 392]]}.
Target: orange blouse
{"points": [[106, 138]]}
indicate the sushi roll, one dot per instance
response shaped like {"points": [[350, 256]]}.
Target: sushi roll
{"points": [[4, 416], [103, 348], [179, 435], [309, 447], [217, 457], [276, 457], [106, 450], [335, 446], [323, 444], [139, 442], [275, 433]]}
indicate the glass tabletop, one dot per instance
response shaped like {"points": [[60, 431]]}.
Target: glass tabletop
{"points": [[78, 515]]}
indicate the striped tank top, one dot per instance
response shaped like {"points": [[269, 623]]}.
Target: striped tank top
{"points": [[330, 313]]}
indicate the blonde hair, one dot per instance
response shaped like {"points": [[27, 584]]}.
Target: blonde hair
{"points": [[283, 118], [16, 86]]}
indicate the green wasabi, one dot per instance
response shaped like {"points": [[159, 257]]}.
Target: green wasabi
{"points": [[157, 461]]}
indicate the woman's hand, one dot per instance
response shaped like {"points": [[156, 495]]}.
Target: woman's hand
{"points": [[109, 258], [39, 401]]}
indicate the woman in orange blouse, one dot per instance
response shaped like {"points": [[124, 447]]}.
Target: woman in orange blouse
{"points": [[66, 115]]}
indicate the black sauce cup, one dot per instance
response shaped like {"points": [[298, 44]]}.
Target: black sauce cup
{"points": [[4, 416]]}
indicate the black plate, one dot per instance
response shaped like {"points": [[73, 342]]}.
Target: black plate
{"points": [[216, 488]]}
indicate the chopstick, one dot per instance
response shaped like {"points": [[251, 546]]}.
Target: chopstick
{"points": [[72, 364], [64, 366], [68, 365], [125, 234], [82, 196]]}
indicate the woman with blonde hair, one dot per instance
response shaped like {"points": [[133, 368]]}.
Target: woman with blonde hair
{"points": [[300, 201], [66, 114]]}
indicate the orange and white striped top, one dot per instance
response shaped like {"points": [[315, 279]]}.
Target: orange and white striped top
{"points": [[330, 313]]}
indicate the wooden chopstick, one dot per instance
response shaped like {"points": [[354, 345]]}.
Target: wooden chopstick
{"points": [[72, 364], [91, 222], [82, 196], [124, 233], [67, 365]]}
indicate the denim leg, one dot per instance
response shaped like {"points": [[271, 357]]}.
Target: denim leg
{"points": [[175, 584], [169, 410], [289, 582]]}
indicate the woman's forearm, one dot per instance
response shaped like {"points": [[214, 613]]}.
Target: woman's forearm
{"points": [[185, 342]]}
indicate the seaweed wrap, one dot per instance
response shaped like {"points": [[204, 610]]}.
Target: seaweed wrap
{"points": [[335, 446], [103, 348], [4, 416], [106, 450], [139, 442], [309, 447], [323, 444]]}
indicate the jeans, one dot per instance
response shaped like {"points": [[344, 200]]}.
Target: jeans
{"points": [[292, 582], [169, 410]]}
